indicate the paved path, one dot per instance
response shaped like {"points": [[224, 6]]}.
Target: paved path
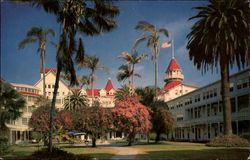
{"points": [[124, 153]]}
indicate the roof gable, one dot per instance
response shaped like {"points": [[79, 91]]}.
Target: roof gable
{"points": [[109, 85], [173, 65]]}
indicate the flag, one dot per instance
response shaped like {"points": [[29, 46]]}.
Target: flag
{"points": [[166, 44]]}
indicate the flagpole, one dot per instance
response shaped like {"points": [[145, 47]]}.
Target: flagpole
{"points": [[172, 47]]}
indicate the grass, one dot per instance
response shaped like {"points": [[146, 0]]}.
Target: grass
{"points": [[27, 149], [189, 151], [163, 150]]}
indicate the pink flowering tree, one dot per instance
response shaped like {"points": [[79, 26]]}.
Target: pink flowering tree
{"points": [[95, 121], [131, 117]]}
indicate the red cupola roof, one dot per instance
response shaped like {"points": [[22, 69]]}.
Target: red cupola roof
{"points": [[47, 70], [173, 65], [171, 84], [109, 85]]}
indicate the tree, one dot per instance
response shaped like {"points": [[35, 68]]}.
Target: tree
{"points": [[42, 101], [126, 72], [84, 80], [38, 34], [11, 103], [151, 34], [162, 119], [130, 59], [96, 121], [221, 37], [40, 121], [93, 63], [131, 117], [76, 101], [123, 92], [75, 17]]}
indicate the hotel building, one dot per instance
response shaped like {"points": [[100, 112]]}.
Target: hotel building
{"points": [[199, 112]]}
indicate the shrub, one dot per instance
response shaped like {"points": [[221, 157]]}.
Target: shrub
{"points": [[56, 154], [4, 147], [228, 141]]}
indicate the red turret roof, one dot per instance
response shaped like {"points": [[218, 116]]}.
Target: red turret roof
{"points": [[47, 70], [109, 85], [173, 65], [171, 84]]}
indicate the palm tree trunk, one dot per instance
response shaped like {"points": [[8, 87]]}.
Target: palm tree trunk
{"points": [[43, 70], [52, 111], [156, 72], [133, 69], [225, 93], [157, 138]]}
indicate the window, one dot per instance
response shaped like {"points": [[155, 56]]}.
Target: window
{"points": [[244, 83], [49, 86], [49, 93], [220, 106], [239, 83], [208, 110], [215, 92], [231, 87], [53, 86], [243, 102], [25, 121], [232, 100]]}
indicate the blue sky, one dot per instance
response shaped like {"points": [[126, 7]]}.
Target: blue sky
{"points": [[22, 66]]}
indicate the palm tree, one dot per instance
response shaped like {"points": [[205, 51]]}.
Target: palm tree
{"points": [[84, 80], [126, 72], [11, 103], [124, 92], [38, 34], [75, 102], [132, 59], [151, 34], [93, 63], [75, 16], [221, 37]]}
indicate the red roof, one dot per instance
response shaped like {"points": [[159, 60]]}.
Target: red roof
{"points": [[47, 70], [96, 92], [29, 93], [109, 85], [171, 84], [173, 65]]}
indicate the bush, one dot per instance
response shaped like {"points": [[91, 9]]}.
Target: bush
{"points": [[228, 141], [4, 146], [56, 154]]}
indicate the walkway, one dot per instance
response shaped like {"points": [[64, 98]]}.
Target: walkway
{"points": [[124, 153]]}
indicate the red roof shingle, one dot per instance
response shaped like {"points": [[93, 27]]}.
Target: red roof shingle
{"points": [[171, 84], [47, 70], [173, 65], [109, 85], [95, 91]]}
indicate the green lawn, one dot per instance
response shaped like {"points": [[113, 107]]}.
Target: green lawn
{"points": [[189, 151], [27, 149]]}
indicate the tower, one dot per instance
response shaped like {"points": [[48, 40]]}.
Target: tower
{"points": [[173, 76]]}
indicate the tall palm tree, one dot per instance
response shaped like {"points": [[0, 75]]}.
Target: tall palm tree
{"points": [[75, 101], [123, 92], [93, 63], [132, 59], [11, 103], [126, 72], [221, 37], [75, 16], [38, 34], [152, 35], [84, 81]]}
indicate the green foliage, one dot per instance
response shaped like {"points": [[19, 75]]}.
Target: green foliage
{"points": [[4, 146], [56, 154], [38, 136], [76, 101], [11, 103], [228, 141], [122, 93], [42, 101]]}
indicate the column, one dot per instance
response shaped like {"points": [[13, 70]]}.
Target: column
{"points": [[237, 127]]}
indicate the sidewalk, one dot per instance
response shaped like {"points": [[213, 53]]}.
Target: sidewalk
{"points": [[125, 153]]}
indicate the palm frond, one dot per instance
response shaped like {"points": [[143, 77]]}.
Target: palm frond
{"points": [[164, 31], [139, 40], [24, 42]]}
